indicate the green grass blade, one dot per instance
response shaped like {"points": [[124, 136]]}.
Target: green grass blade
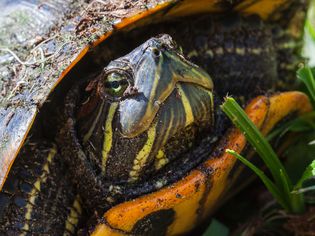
{"points": [[286, 187], [295, 200], [268, 183], [304, 190], [310, 29], [257, 140], [308, 173], [306, 76]]}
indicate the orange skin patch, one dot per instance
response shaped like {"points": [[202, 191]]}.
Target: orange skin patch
{"points": [[265, 112]]}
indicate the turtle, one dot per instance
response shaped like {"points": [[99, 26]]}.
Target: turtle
{"points": [[111, 125]]}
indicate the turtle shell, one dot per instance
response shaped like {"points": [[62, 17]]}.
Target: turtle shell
{"points": [[54, 37], [42, 42]]}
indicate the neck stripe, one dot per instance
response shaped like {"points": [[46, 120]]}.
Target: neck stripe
{"points": [[108, 135]]}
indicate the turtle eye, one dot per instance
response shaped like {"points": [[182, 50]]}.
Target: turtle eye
{"points": [[115, 84]]}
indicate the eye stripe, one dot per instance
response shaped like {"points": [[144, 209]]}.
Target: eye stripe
{"points": [[108, 135]]}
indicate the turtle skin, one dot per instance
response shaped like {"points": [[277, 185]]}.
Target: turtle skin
{"points": [[37, 198]]}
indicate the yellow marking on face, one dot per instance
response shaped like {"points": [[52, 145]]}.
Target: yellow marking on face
{"points": [[160, 154], [202, 78], [188, 110], [36, 189], [158, 72], [108, 135], [153, 109], [73, 217], [161, 160], [170, 125], [89, 133], [143, 154]]}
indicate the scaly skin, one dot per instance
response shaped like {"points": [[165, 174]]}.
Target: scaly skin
{"points": [[38, 198], [244, 56]]}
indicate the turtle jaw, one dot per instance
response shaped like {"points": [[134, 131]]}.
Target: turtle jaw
{"points": [[160, 71]]}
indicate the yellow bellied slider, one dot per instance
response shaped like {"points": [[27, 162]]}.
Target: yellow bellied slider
{"points": [[63, 37]]}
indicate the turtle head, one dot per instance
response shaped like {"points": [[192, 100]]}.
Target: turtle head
{"points": [[145, 110]]}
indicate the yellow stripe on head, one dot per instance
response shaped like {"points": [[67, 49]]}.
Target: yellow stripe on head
{"points": [[143, 154], [188, 111], [108, 135]]}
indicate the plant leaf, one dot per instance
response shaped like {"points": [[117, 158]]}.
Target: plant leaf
{"points": [[237, 115], [306, 76], [268, 183], [308, 173]]}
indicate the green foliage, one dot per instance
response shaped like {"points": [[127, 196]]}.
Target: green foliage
{"points": [[310, 29], [280, 187], [306, 75], [308, 173], [268, 183]]}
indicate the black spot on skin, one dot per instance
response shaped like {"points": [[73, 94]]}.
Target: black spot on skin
{"points": [[178, 195], [155, 223], [205, 170]]}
